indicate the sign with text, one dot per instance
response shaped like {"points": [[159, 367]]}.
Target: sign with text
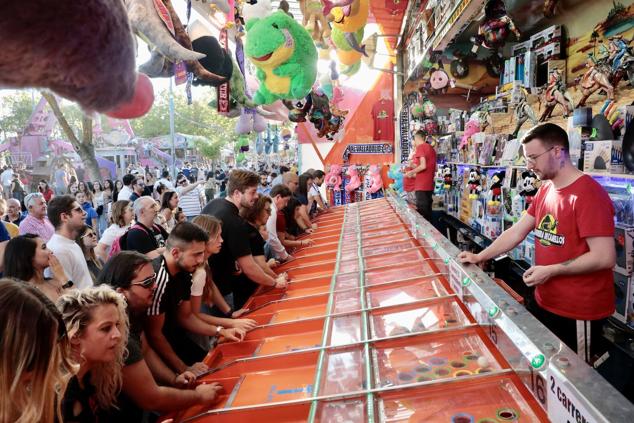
{"points": [[369, 149], [223, 89], [564, 404], [404, 132]]}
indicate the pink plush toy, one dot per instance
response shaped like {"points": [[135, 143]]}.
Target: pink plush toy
{"points": [[472, 127], [355, 181], [333, 178], [377, 181]]}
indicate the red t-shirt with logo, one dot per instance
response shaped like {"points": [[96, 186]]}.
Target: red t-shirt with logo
{"points": [[563, 219], [425, 179]]}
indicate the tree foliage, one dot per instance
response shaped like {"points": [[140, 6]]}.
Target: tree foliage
{"points": [[196, 119], [15, 112]]}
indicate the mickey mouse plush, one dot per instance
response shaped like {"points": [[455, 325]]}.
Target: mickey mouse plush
{"points": [[447, 177], [496, 187], [475, 186], [530, 186]]}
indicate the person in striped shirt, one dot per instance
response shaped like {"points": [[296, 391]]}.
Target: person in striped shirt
{"points": [[190, 198]]}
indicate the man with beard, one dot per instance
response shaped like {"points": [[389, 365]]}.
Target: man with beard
{"points": [[572, 216], [68, 218], [235, 255], [170, 315]]}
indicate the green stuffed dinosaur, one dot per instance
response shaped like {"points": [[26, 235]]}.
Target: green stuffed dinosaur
{"points": [[284, 55]]}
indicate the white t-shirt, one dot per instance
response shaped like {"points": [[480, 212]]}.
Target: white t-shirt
{"points": [[190, 202], [168, 184], [124, 194], [113, 232], [7, 177], [72, 259]]}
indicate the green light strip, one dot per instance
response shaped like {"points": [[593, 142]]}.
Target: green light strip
{"points": [[324, 337]]}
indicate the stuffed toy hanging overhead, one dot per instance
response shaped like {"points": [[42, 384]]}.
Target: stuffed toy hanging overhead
{"points": [[83, 51], [284, 55]]}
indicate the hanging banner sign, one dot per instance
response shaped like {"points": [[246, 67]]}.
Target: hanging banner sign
{"points": [[404, 128], [369, 149], [223, 89]]}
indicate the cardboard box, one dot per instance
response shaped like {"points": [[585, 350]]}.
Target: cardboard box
{"points": [[603, 156], [623, 297], [624, 244], [521, 48]]}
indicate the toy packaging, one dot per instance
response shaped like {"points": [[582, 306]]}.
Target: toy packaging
{"points": [[624, 243]]}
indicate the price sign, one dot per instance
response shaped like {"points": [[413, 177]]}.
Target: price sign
{"points": [[455, 278], [564, 404]]}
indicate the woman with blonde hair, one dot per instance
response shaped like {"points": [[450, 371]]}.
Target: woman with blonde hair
{"points": [[34, 355], [121, 217], [97, 326], [204, 292]]}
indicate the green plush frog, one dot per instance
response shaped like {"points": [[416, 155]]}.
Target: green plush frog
{"points": [[285, 57]]}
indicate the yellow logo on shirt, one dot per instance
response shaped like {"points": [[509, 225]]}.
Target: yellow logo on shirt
{"points": [[546, 232]]}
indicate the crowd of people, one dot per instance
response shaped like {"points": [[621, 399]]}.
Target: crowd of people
{"points": [[113, 292]]}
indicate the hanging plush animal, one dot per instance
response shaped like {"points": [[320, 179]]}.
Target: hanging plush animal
{"points": [[395, 173], [377, 181], [496, 26], [284, 55], [355, 180], [496, 187], [82, 51], [333, 178], [314, 20], [347, 34], [447, 177], [472, 127], [250, 121], [475, 187]]}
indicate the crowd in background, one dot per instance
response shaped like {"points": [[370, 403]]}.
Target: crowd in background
{"points": [[115, 291]]}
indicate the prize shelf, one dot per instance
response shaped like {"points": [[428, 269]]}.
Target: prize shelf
{"points": [[477, 165]]}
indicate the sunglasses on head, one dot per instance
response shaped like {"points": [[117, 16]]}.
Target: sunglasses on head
{"points": [[146, 283], [182, 181]]}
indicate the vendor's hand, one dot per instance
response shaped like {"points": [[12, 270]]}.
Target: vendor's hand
{"points": [[467, 257], [244, 324], [233, 334], [209, 392], [197, 368], [537, 275], [184, 379], [236, 314], [57, 270]]}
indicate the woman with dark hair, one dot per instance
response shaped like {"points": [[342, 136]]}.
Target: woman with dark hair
{"points": [[46, 191], [86, 188], [166, 215], [87, 240], [35, 357], [305, 183], [26, 257], [257, 217], [287, 229], [118, 186]]}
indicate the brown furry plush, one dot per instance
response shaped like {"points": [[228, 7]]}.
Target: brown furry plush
{"points": [[80, 49]]}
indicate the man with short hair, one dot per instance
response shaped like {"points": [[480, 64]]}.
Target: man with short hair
{"points": [[145, 236], [170, 315], [68, 219], [189, 197], [138, 186], [131, 274], [572, 217], [235, 252], [318, 202], [424, 161], [60, 178], [264, 188], [36, 222], [91, 213], [280, 194], [291, 180], [14, 212], [126, 191], [278, 179]]}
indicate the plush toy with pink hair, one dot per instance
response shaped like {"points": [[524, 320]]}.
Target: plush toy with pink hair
{"points": [[472, 127], [377, 181], [333, 178], [355, 181]]}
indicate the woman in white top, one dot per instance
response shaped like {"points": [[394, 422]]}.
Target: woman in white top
{"points": [[99, 205], [120, 219]]}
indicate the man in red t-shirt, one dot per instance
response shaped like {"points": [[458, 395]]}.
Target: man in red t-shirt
{"points": [[573, 220], [423, 161]]}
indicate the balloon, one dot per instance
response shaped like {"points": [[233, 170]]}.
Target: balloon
{"points": [[141, 102]]}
